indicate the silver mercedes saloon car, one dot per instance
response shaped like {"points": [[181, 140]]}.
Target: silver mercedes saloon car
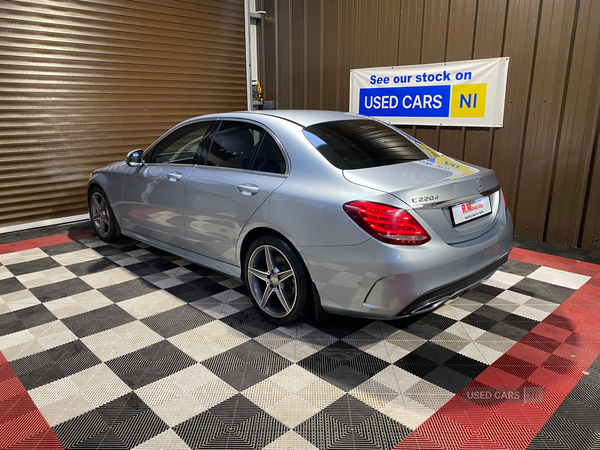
{"points": [[312, 210]]}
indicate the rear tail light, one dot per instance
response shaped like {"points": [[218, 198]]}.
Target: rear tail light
{"points": [[387, 223], [503, 199]]}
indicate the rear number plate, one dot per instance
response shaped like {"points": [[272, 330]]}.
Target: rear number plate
{"points": [[468, 211]]}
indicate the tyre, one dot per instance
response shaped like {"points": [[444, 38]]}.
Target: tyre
{"points": [[102, 216], [277, 280]]}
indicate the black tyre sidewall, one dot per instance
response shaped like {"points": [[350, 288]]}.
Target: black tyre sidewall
{"points": [[303, 283], [112, 234]]}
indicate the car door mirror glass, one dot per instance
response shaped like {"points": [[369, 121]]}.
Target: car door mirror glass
{"points": [[135, 158]]}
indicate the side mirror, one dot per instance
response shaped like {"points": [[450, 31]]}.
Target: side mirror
{"points": [[135, 158]]}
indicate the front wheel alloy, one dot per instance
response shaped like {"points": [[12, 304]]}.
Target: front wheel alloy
{"points": [[102, 215], [276, 280], [99, 214]]}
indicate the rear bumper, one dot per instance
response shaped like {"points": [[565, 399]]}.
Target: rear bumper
{"points": [[381, 281], [438, 297]]}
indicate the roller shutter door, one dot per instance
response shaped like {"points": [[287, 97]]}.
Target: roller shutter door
{"points": [[82, 82]]}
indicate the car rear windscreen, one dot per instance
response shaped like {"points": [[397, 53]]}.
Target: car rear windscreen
{"points": [[358, 144]]}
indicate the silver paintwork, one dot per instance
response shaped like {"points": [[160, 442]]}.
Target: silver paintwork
{"points": [[207, 214]]}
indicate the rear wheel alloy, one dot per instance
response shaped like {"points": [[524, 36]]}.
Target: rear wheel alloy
{"points": [[102, 216], [276, 280]]}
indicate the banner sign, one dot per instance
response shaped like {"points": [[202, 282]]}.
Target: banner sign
{"points": [[462, 93]]}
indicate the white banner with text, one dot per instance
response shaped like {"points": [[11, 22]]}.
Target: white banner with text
{"points": [[462, 93]]}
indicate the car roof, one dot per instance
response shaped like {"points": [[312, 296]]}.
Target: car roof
{"points": [[310, 117], [300, 117]]}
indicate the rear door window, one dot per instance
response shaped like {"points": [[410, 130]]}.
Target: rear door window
{"points": [[242, 145], [268, 156], [358, 144], [233, 145]]}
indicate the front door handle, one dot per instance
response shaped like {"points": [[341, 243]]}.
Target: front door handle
{"points": [[248, 189], [174, 176]]}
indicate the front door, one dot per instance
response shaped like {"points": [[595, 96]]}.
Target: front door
{"points": [[153, 192]]}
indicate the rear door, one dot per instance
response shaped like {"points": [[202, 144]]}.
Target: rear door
{"points": [[244, 164], [153, 192]]}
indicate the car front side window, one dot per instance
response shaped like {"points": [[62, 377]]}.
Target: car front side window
{"points": [[180, 146]]}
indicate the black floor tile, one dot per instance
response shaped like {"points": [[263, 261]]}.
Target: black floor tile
{"points": [[542, 290], [340, 327], [518, 268], [422, 330], [77, 363], [122, 408], [434, 352], [99, 320], [143, 269], [248, 427], [250, 322], [42, 376], [34, 316], [464, 365], [93, 266], [128, 290], [177, 320], [345, 378], [79, 429], [437, 321], [479, 321], [448, 379], [108, 250], [61, 289], [417, 365], [490, 291], [68, 350], [60, 249], [139, 428], [492, 313], [223, 363], [357, 426], [196, 290], [243, 377], [37, 265], [10, 285], [508, 331], [520, 322]]}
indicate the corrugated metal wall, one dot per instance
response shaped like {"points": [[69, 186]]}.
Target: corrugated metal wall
{"points": [[545, 155], [82, 82]]}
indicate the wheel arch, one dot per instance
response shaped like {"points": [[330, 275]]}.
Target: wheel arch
{"points": [[257, 233]]}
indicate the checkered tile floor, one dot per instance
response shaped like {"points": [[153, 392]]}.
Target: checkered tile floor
{"points": [[127, 346]]}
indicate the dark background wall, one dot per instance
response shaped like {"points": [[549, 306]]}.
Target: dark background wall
{"points": [[82, 82], [545, 156]]}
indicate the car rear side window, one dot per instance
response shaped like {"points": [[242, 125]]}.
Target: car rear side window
{"points": [[358, 144], [268, 157], [233, 145], [242, 145]]}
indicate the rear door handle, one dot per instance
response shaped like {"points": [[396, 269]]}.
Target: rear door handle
{"points": [[248, 189], [174, 176]]}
